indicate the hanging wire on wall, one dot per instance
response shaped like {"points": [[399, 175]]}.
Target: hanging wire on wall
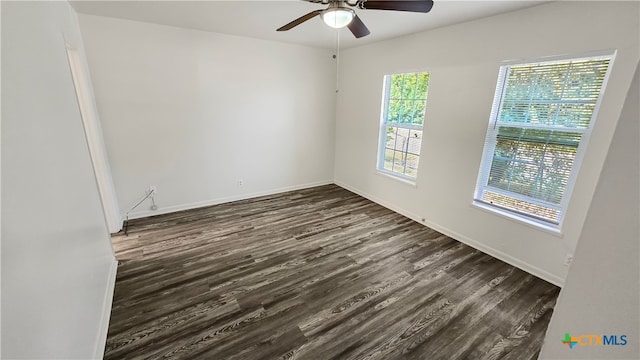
{"points": [[150, 194]]}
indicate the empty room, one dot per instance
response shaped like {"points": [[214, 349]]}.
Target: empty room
{"points": [[320, 179]]}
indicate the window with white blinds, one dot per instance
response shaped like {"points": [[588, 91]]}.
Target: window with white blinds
{"points": [[404, 104], [542, 115]]}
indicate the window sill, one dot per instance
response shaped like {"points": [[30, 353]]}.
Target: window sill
{"points": [[548, 228], [399, 178]]}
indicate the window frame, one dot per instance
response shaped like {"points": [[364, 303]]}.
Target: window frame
{"points": [[491, 141], [384, 112]]}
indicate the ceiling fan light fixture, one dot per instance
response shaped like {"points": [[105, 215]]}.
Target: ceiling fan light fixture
{"points": [[338, 17]]}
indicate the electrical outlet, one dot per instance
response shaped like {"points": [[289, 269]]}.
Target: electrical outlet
{"points": [[240, 183], [568, 259], [153, 190]]}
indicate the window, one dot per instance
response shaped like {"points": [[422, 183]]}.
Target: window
{"points": [[542, 115], [404, 103]]}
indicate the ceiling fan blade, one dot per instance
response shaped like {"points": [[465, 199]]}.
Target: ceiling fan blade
{"points": [[300, 20], [358, 28], [423, 6]]}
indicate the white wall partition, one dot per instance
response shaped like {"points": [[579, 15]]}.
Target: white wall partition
{"points": [[93, 132], [601, 296], [196, 113], [464, 61], [58, 268]]}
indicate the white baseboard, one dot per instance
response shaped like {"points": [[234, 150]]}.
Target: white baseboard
{"points": [[531, 269], [103, 326], [114, 228], [199, 204]]}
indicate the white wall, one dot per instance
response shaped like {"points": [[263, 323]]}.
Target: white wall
{"points": [[93, 131], [464, 60], [57, 264], [193, 112], [606, 269]]}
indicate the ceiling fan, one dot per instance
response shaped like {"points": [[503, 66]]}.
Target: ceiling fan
{"points": [[339, 15]]}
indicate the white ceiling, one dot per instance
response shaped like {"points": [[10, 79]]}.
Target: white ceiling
{"points": [[259, 19]]}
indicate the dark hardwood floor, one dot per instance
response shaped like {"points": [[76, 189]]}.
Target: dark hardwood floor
{"points": [[319, 273]]}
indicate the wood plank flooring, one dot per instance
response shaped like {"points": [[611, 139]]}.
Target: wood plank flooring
{"points": [[319, 273]]}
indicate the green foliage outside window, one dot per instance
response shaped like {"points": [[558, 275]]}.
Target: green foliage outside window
{"points": [[405, 107], [407, 98]]}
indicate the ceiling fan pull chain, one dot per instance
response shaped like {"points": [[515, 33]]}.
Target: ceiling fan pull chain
{"points": [[337, 57]]}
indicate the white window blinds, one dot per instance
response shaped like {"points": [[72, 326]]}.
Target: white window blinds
{"points": [[541, 114]]}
